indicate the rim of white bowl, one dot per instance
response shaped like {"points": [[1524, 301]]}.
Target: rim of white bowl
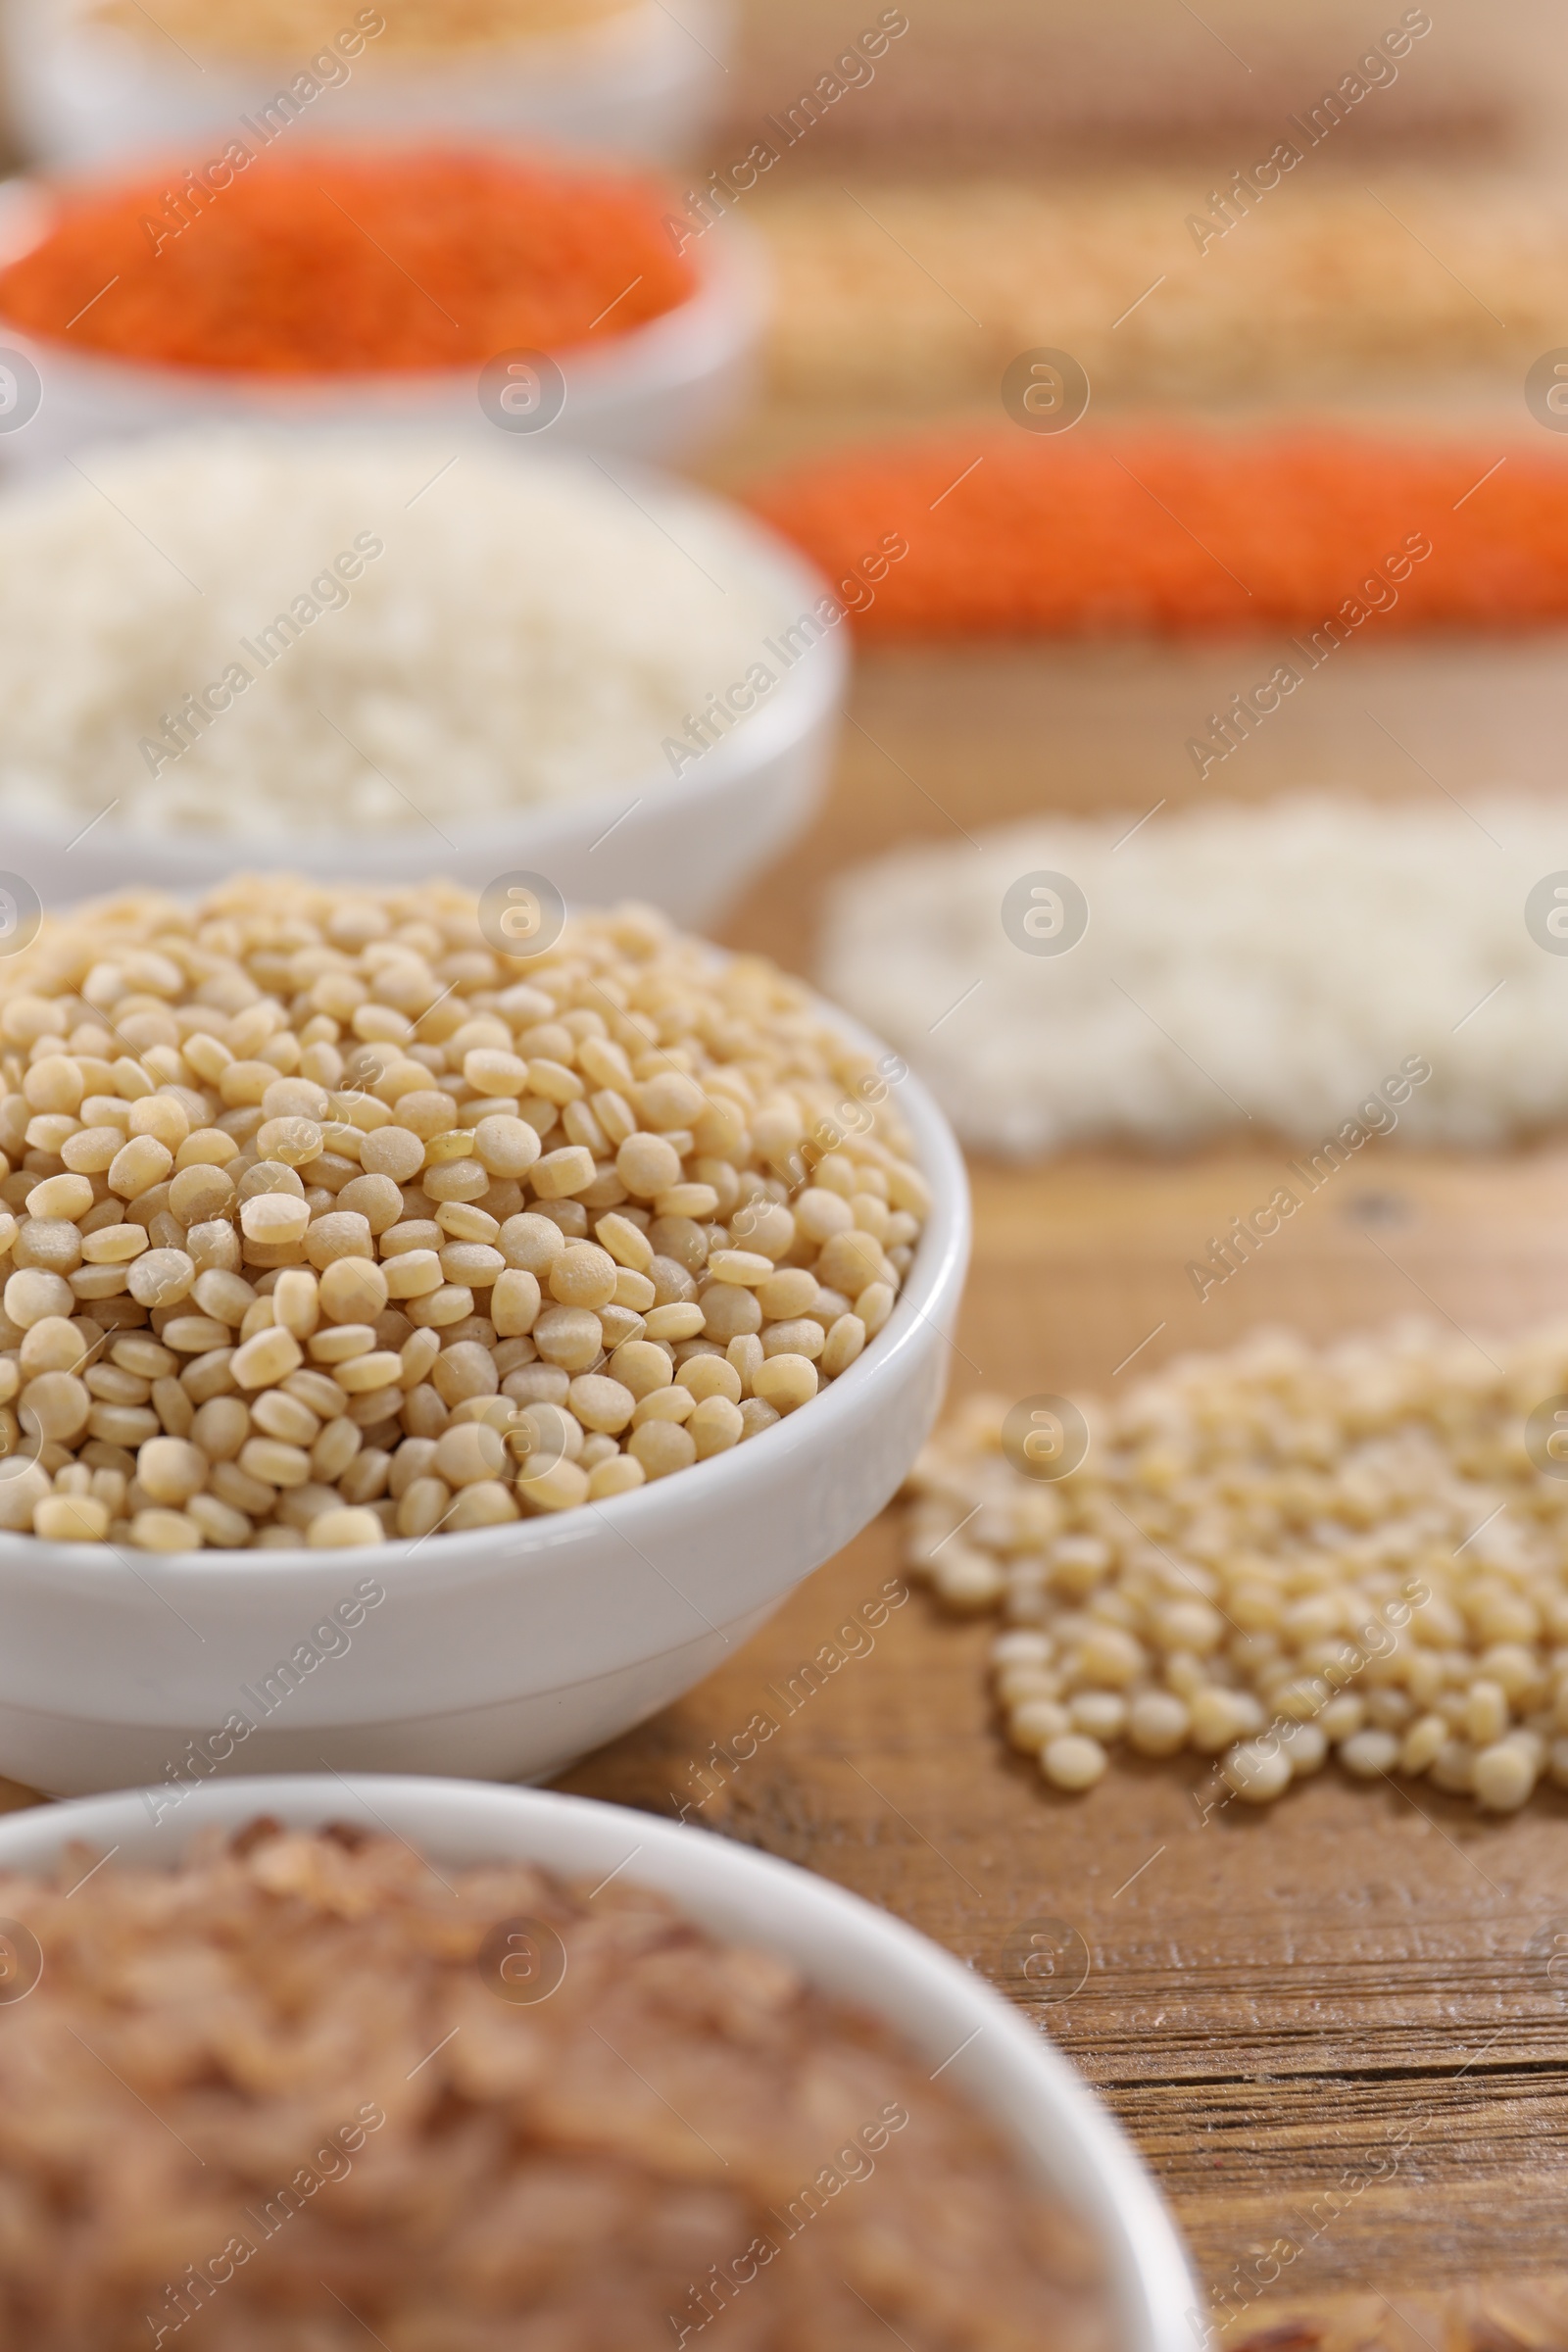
{"points": [[537, 1546], [715, 1878], [620, 40], [806, 697], [731, 293]]}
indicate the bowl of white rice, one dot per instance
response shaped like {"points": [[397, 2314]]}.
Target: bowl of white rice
{"points": [[400, 658]]}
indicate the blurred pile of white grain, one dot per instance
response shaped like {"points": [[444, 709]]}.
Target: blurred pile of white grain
{"points": [[1265, 966]]}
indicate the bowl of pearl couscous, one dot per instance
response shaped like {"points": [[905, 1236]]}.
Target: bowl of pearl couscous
{"points": [[418, 1357]]}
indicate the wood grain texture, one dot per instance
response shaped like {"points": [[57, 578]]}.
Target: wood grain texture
{"points": [[975, 79], [944, 741], [1329, 2027], [1351, 1988]]}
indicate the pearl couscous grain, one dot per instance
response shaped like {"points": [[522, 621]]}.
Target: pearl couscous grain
{"points": [[1276, 1552], [320, 1223]]}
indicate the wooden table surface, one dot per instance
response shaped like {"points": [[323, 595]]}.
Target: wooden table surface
{"points": [[1330, 2026], [1349, 1980]]}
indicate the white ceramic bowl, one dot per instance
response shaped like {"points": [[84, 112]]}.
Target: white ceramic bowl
{"points": [[655, 391], [641, 85], [687, 843], [988, 2054], [503, 1652]]}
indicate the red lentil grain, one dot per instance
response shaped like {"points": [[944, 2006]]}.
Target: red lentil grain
{"points": [[1184, 533], [344, 263]]}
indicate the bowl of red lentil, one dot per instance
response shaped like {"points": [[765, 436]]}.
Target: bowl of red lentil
{"points": [[420, 1356], [479, 293], [94, 83], [787, 2100]]}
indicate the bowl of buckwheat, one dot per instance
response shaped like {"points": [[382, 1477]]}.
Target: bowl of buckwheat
{"points": [[724, 2081]]}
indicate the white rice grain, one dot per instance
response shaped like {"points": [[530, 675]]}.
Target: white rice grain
{"points": [[530, 632], [1241, 964]]}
